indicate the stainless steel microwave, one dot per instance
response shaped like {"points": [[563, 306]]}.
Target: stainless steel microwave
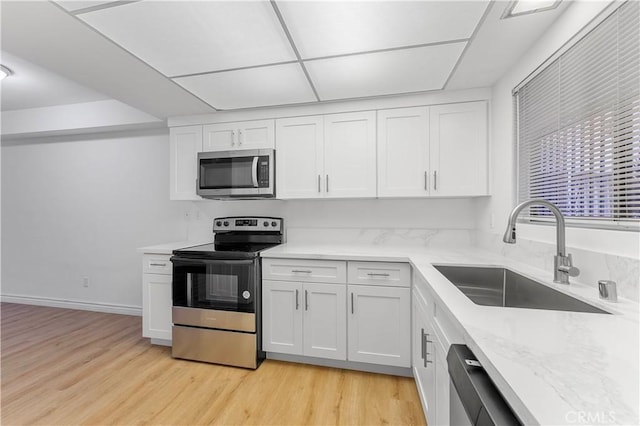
{"points": [[236, 174]]}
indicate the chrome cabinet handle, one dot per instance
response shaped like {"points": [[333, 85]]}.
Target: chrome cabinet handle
{"points": [[297, 300], [423, 344], [318, 183], [302, 271], [426, 352], [352, 311], [233, 137], [306, 300], [372, 274], [157, 264], [435, 180], [426, 179], [327, 183]]}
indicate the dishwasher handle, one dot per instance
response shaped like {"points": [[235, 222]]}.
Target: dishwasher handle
{"points": [[480, 398]]}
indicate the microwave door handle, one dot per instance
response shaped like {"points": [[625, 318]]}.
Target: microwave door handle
{"points": [[254, 172]]}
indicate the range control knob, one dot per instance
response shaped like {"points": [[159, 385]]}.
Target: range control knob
{"points": [[226, 223], [218, 223], [266, 223], [273, 223]]}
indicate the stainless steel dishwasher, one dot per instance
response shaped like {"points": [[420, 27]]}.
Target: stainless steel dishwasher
{"points": [[474, 399]]}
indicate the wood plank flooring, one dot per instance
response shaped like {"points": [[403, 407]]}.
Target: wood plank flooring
{"points": [[62, 366]]}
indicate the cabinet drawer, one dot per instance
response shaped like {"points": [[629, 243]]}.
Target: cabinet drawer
{"points": [[156, 264], [380, 273], [326, 271]]}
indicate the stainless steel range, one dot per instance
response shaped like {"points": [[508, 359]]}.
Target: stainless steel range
{"points": [[217, 293]]}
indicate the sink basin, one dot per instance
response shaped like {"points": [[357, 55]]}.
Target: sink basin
{"points": [[492, 286]]}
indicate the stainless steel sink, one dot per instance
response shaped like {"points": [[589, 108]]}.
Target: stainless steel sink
{"points": [[492, 286]]}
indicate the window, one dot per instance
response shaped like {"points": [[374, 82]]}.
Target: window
{"points": [[578, 126]]}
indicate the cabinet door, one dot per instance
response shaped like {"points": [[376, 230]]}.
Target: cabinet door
{"points": [[350, 154], [282, 317], [423, 370], [220, 137], [241, 135], [156, 306], [379, 325], [403, 152], [259, 134], [184, 145], [299, 157], [459, 149], [325, 320], [443, 383]]}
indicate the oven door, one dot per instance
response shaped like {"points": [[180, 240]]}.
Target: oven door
{"points": [[247, 173], [225, 285]]}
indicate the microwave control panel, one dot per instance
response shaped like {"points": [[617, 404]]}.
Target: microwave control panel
{"points": [[263, 172]]}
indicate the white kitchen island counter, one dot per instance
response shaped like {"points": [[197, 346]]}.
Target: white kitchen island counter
{"points": [[553, 367]]}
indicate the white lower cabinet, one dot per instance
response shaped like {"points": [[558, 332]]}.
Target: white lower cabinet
{"points": [[304, 319], [341, 319], [379, 325], [433, 333], [281, 317], [325, 319], [156, 297]]}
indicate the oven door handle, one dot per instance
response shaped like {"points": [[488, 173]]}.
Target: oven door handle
{"points": [[199, 262], [254, 171]]}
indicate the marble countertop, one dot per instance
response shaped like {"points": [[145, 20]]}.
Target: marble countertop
{"points": [[553, 367]]}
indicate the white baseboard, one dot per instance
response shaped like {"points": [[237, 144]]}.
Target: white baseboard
{"points": [[72, 304]]}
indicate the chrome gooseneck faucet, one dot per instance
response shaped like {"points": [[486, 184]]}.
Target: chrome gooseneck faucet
{"points": [[563, 265]]}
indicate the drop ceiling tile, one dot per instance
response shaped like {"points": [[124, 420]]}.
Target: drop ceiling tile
{"points": [[384, 73], [325, 28], [189, 37], [252, 87]]}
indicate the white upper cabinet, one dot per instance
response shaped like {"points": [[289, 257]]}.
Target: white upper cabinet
{"points": [[458, 156], [350, 155], [403, 152], [257, 134], [184, 145], [331, 156], [299, 157]]}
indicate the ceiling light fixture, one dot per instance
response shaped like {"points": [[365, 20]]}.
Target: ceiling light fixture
{"points": [[526, 7], [4, 72]]}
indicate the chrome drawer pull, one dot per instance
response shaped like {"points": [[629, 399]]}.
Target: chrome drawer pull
{"points": [[157, 264], [426, 352], [302, 271], [371, 274]]}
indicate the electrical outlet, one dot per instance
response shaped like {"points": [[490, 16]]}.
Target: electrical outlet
{"points": [[85, 281]]}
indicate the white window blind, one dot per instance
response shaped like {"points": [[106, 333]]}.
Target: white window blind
{"points": [[578, 125]]}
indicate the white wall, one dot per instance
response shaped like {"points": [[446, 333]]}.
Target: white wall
{"points": [[80, 206], [495, 211]]}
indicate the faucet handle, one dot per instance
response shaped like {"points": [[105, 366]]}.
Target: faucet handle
{"points": [[567, 266]]}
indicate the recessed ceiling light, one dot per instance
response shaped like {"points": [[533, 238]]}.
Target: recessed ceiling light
{"points": [[4, 72], [525, 7]]}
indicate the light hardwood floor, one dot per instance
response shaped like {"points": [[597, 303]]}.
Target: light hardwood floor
{"points": [[62, 366]]}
